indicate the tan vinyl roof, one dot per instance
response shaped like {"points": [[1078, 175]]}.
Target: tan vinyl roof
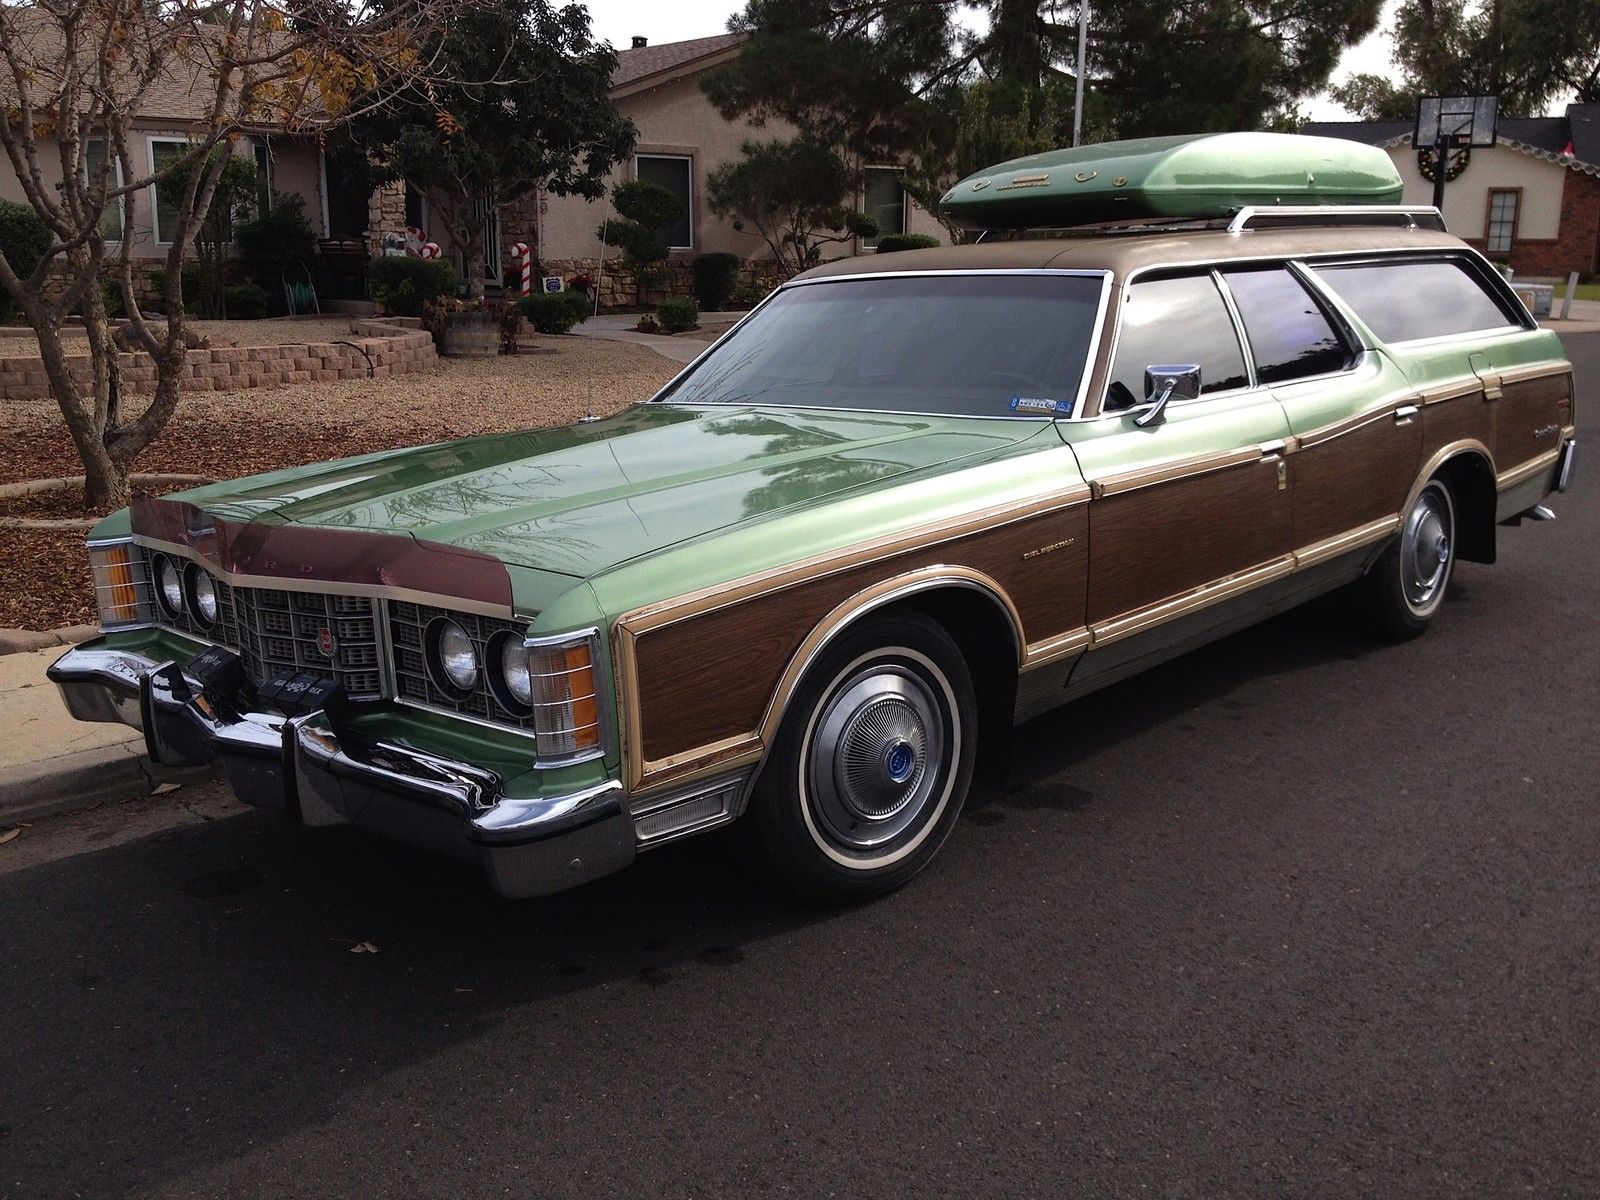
{"points": [[1125, 253]]}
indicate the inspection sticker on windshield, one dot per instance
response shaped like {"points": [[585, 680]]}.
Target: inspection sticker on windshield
{"points": [[1039, 404]]}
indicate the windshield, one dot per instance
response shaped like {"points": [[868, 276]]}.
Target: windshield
{"points": [[958, 345]]}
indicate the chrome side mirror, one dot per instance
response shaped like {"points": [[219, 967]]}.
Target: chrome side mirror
{"points": [[1161, 383]]}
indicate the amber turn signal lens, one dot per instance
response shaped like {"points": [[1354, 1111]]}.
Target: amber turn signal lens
{"points": [[566, 697], [116, 583]]}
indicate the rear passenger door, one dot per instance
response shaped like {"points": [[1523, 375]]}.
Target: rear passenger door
{"points": [[1189, 510], [1356, 421]]}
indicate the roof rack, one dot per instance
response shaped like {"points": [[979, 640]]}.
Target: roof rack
{"points": [[1285, 216]]}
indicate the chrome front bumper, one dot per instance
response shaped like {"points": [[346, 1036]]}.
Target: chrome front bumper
{"points": [[309, 767]]}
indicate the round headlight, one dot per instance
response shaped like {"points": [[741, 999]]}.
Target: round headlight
{"points": [[454, 656], [202, 596], [510, 683], [169, 586]]}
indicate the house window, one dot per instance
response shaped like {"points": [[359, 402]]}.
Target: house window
{"points": [[1501, 227], [94, 153], [885, 202], [263, 177], [675, 173], [166, 197]]}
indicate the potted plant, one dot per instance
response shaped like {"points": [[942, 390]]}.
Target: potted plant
{"points": [[463, 328]]}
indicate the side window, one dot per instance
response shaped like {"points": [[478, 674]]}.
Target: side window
{"points": [[1290, 336], [1178, 320], [1408, 299]]}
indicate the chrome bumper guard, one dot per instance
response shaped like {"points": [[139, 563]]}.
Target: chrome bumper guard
{"points": [[306, 766]]}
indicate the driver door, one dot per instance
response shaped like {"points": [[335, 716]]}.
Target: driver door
{"points": [[1193, 509]]}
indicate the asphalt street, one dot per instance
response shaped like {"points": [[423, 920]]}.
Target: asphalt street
{"points": [[1301, 914]]}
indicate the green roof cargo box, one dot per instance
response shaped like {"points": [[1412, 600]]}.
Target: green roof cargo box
{"points": [[1196, 176]]}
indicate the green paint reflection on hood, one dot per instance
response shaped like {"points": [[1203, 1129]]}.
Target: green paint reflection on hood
{"points": [[582, 498]]}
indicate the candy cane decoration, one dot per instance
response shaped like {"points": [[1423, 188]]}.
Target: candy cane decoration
{"points": [[521, 250], [429, 250]]}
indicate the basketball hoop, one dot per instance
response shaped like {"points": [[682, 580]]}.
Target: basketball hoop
{"points": [[1447, 129]]}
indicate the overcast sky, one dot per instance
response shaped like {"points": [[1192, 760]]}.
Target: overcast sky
{"points": [[617, 21]]}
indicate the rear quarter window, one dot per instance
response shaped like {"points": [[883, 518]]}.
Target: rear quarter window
{"points": [[1407, 300]]}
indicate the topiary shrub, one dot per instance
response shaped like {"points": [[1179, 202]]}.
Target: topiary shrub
{"points": [[715, 276], [245, 302], [277, 245], [24, 238], [554, 312], [678, 314], [403, 284], [891, 242]]}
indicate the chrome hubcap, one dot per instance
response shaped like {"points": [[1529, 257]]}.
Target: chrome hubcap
{"points": [[876, 756], [1425, 550]]}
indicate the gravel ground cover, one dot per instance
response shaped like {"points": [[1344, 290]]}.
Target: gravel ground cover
{"points": [[44, 575], [277, 331]]}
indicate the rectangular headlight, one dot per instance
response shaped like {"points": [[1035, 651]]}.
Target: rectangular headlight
{"points": [[566, 696], [121, 586]]}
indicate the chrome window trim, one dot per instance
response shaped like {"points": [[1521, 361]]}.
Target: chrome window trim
{"points": [[1341, 330], [1252, 376], [1479, 268], [1079, 401]]}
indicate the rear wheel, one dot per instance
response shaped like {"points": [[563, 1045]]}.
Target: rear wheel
{"points": [[1406, 586], [871, 764]]}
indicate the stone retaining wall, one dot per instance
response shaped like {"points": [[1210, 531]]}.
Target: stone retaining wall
{"points": [[756, 279], [391, 346]]}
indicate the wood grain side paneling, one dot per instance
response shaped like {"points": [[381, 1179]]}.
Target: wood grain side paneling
{"points": [[1355, 478], [1465, 418], [1528, 418], [1158, 541], [709, 677]]}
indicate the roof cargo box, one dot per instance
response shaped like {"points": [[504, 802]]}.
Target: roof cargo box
{"points": [[1199, 176]]}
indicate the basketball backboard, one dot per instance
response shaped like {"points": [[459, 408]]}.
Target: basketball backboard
{"points": [[1461, 120]]}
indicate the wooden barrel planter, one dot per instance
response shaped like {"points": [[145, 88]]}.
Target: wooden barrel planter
{"points": [[470, 335]]}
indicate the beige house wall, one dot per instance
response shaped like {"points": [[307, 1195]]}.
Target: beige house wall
{"points": [[1466, 198], [297, 170], [677, 119]]}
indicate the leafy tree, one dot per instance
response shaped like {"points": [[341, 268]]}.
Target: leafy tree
{"points": [[797, 196], [547, 121], [643, 208], [77, 74], [232, 202], [1526, 52]]}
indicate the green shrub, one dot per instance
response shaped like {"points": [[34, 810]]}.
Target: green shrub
{"points": [[715, 276], [403, 285], [275, 246], [678, 314], [245, 302], [190, 287], [111, 295], [23, 238], [554, 312], [891, 242]]}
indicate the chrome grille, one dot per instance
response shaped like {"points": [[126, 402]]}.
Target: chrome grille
{"points": [[407, 625], [274, 630]]}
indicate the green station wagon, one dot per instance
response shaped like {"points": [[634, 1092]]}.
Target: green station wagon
{"points": [[905, 503]]}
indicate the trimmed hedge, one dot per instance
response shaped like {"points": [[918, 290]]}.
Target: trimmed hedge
{"points": [[715, 276], [677, 315], [554, 312], [403, 284], [24, 238], [889, 243]]}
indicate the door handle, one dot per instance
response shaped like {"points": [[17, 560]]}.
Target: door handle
{"points": [[1268, 449], [1403, 414]]}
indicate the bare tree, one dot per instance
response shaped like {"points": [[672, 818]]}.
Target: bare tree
{"points": [[79, 74]]}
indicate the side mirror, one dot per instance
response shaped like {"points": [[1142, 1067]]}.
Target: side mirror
{"points": [[1161, 383]]}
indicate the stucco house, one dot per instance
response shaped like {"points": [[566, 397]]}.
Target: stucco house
{"points": [[682, 140], [1531, 201]]}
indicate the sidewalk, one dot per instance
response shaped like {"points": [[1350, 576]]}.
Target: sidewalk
{"points": [[619, 327], [49, 761]]}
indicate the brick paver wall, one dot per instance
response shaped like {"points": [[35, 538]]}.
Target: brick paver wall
{"points": [[377, 349]]}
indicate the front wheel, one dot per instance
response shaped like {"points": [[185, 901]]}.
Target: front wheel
{"points": [[871, 764], [1406, 586]]}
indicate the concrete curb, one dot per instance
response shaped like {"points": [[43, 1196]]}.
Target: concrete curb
{"points": [[17, 641], [84, 779]]}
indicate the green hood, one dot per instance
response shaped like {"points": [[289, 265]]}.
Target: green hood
{"points": [[583, 498]]}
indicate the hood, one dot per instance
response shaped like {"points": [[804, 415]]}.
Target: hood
{"points": [[583, 498]]}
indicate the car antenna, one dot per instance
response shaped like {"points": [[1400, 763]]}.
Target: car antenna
{"points": [[599, 283]]}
